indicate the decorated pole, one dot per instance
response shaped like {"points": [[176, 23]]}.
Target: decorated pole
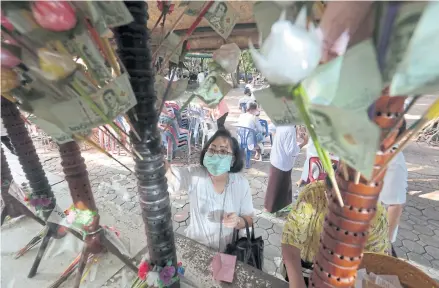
{"points": [[135, 54], [28, 158], [13, 208], [85, 213], [346, 228]]}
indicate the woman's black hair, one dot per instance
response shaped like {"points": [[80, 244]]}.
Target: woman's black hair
{"points": [[238, 163]]}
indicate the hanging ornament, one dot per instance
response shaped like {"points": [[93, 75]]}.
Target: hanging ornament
{"points": [[291, 47], [8, 59], [9, 79], [55, 66], [6, 23], [227, 56], [54, 15]]}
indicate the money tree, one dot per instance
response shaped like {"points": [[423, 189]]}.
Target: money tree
{"points": [[134, 53]]}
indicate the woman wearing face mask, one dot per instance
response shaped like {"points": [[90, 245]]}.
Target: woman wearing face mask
{"points": [[219, 195]]}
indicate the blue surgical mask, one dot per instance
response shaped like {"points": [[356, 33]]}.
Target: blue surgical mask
{"points": [[217, 165]]}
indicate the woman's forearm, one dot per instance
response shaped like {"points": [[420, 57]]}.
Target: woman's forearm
{"points": [[291, 257], [394, 214]]}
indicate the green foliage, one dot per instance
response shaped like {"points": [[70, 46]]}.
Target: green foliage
{"points": [[247, 64]]}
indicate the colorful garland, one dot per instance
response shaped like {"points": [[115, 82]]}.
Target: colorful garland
{"points": [[156, 276], [80, 218]]}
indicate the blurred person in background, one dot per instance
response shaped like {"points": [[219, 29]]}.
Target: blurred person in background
{"points": [[282, 158]]}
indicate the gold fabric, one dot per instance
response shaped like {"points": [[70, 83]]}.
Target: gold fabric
{"points": [[305, 224]]}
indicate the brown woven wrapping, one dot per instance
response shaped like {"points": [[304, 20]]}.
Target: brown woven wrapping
{"points": [[80, 189], [346, 229]]}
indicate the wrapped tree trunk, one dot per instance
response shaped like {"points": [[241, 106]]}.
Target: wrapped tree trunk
{"points": [[33, 170], [135, 54], [80, 189], [346, 229], [13, 207]]}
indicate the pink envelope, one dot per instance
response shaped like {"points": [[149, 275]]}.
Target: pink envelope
{"points": [[223, 267]]}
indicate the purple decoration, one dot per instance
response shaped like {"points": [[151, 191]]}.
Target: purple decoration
{"points": [[383, 43], [371, 111], [166, 274]]}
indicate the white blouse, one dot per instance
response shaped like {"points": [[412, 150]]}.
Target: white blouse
{"points": [[207, 206]]}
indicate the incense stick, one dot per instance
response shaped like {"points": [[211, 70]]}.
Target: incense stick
{"points": [[168, 89], [92, 143], [357, 178], [323, 154], [415, 98], [132, 128], [121, 144], [169, 33], [345, 171], [431, 113]]}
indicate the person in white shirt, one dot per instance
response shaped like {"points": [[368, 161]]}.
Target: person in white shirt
{"points": [[246, 99], [394, 192], [283, 155], [219, 196], [250, 120], [200, 77]]}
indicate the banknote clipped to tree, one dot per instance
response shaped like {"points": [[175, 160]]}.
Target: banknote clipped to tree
{"points": [[63, 66], [214, 87]]}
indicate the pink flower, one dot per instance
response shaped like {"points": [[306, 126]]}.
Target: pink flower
{"points": [[71, 217], [143, 270]]}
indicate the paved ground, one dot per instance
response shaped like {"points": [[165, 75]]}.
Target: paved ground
{"points": [[418, 239]]}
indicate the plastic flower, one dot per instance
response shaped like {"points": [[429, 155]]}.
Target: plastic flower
{"points": [[143, 270], [166, 274], [180, 270], [152, 279], [71, 216], [290, 53], [84, 217]]}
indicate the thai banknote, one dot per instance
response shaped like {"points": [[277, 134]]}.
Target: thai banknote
{"points": [[342, 83], [418, 72], [177, 88], [58, 135], [76, 116], [84, 47], [213, 89], [281, 109], [193, 8], [347, 134], [168, 46], [222, 18]]}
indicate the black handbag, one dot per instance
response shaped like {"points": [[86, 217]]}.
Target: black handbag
{"points": [[249, 250]]}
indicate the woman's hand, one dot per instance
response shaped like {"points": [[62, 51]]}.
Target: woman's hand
{"points": [[231, 220]]}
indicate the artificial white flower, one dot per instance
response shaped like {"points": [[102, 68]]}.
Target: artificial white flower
{"points": [[290, 53], [152, 279]]}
